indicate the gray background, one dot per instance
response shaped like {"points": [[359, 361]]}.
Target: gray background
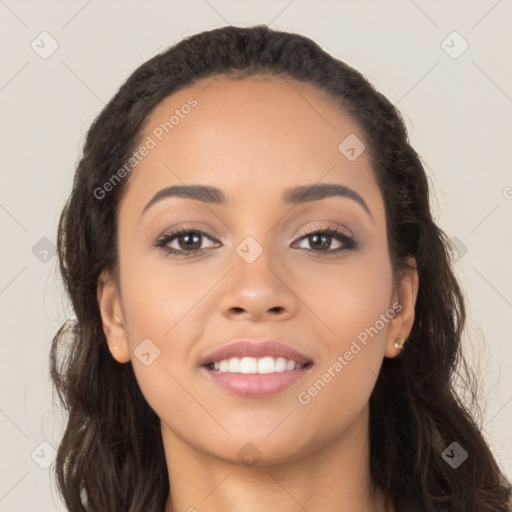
{"points": [[457, 111]]}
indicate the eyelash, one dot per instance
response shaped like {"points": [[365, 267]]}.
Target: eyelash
{"points": [[348, 241]]}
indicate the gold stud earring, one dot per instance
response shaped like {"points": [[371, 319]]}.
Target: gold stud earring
{"points": [[399, 343]]}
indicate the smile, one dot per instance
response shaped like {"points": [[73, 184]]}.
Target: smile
{"points": [[251, 365]]}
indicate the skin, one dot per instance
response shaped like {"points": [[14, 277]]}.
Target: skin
{"points": [[253, 139]]}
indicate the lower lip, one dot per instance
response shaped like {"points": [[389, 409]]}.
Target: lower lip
{"points": [[255, 385]]}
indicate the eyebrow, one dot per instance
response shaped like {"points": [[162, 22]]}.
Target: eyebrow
{"points": [[296, 195]]}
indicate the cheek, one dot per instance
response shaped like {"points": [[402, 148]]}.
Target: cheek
{"points": [[160, 305], [348, 297], [159, 298], [352, 303]]}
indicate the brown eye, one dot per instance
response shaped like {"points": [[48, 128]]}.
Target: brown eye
{"points": [[191, 241], [321, 240], [186, 241]]}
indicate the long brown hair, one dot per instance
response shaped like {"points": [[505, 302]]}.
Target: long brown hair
{"points": [[111, 455]]}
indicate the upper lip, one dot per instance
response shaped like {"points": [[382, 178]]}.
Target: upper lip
{"points": [[253, 348]]}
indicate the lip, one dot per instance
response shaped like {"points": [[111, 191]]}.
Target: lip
{"points": [[258, 349], [255, 385]]}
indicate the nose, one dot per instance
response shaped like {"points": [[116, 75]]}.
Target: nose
{"points": [[259, 291]]}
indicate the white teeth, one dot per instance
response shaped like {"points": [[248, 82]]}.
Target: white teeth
{"points": [[280, 364], [261, 365], [234, 365], [266, 365], [248, 365], [290, 365]]}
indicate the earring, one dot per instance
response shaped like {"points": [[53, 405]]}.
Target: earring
{"points": [[399, 343]]}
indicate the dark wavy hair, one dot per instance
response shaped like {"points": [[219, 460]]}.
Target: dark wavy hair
{"points": [[111, 455]]}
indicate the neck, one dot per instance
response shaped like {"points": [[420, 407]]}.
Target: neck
{"points": [[334, 478]]}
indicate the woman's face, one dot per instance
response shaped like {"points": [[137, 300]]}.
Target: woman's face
{"points": [[257, 276]]}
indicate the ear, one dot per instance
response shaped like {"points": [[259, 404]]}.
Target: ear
{"points": [[109, 302], [403, 303]]}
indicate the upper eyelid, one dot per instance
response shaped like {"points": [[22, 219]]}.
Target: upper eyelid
{"points": [[193, 229]]}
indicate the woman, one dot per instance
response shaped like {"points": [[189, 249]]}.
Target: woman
{"points": [[266, 315]]}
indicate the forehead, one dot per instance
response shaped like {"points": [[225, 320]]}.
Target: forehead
{"points": [[250, 137]]}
